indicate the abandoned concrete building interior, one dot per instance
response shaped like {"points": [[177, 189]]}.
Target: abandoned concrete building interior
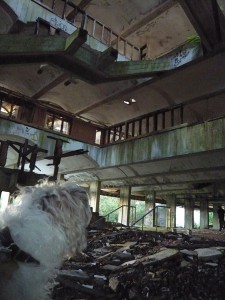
{"points": [[126, 99]]}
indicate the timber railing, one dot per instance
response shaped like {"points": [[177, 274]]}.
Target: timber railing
{"points": [[144, 125], [68, 11]]}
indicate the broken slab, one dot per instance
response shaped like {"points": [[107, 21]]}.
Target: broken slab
{"points": [[157, 257], [188, 252], [74, 274], [112, 268], [207, 254]]}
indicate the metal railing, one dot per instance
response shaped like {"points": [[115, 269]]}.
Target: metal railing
{"points": [[120, 217], [68, 11], [155, 217]]}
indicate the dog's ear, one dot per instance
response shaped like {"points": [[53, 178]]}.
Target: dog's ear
{"points": [[75, 191], [27, 189], [79, 198]]}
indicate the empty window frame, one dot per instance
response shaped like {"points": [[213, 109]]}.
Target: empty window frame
{"points": [[58, 123], [9, 109]]}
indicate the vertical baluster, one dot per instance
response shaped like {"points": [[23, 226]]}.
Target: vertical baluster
{"points": [[181, 114], [133, 129], [114, 133], [172, 117], [147, 125], [126, 130], [53, 5], [132, 52], [140, 127], [93, 28], [110, 37], [84, 21], [102, 33], [37, 27], [163, 120], [64, 9], [139, 54], [120, 132], [125, 47], [75, 12], [117, 42], [155, 121]]}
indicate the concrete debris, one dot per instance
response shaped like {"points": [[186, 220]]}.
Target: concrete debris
{"points": [[133, 264], [208, 254]]}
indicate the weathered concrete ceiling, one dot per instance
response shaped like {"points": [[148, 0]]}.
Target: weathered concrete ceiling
{"points": [[163, 25]]}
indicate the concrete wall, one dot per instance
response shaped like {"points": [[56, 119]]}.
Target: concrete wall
{"points": [[187, 140], [207, 136]]}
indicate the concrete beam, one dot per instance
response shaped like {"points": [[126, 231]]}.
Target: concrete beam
{"points": [[106, 58], [148, 68], [41, 45], [137, 69], [76, 40], [207, 19]]}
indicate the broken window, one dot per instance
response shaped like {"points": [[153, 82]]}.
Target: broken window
{"points": [[58, 123], [9, 109], [98, 137]]}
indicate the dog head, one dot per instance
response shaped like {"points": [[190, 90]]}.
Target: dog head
{"points": [[65, 205]]}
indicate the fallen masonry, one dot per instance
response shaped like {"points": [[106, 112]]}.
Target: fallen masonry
{"points": [[133, 264]]}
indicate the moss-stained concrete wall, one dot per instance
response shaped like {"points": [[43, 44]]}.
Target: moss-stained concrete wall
{"points": [[207, 136], [185, 140], [18, 132]]}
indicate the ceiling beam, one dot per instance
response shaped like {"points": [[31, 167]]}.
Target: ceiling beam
{"points": [[208, 20], [50, 86], [153, 13]]}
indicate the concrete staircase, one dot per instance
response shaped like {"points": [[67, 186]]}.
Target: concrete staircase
{"points": [[99, 222]]}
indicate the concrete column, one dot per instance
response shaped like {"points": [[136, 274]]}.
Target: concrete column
{"points": [[216, 224], [204, 214], [94, 193], [189, 213], [1, 200], [149, 205], [171, 202], [124, 212]]}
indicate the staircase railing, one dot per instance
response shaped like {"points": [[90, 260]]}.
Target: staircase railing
{"points": [[106, 217], [155, 222], [68, 11]]}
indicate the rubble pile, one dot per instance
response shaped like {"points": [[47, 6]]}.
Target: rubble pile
{"points": [[133, 264]]}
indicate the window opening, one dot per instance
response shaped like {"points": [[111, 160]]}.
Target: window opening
{"points": [[58, 123]]}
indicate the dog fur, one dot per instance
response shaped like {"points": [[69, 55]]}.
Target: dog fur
{"points": [[47, 221]]}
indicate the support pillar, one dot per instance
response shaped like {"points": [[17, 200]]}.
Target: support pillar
{"points": [[94, 193], [204, 214], [124, 213], [216, 224], [189, 213], [171, 202], [149, 205]]}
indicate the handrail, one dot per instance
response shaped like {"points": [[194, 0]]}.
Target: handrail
{"points": [[142, 217], [150, 211], [144, 125], [107, 215]]}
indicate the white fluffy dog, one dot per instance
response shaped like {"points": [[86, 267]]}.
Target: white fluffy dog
{"points": [[47, 223]]}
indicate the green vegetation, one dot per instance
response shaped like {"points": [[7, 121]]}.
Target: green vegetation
{"points": [[108, 204], [210, 218]]}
